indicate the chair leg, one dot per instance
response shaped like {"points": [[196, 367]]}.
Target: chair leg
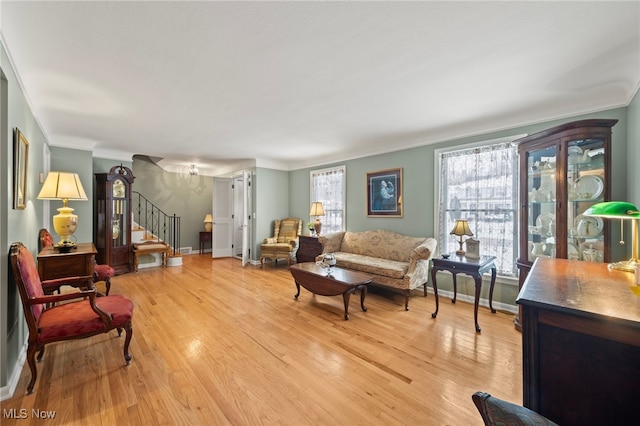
{"points": [[406, 299], [41, 353], [107, 283], [127, 356], [262, 261], [31, 359]]}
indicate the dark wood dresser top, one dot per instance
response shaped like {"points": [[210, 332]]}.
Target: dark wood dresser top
{"points": [[582, 288]]}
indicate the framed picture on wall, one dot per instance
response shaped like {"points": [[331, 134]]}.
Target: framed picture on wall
{"points": [[384, 193], [20, 161]]}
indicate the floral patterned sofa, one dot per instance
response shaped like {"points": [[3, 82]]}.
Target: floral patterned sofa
{"points": [[395, 260]]}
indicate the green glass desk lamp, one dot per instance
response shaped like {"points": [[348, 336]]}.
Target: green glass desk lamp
{"points": [[624, 211]]}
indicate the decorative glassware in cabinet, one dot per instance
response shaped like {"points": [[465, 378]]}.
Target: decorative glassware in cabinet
{"points": [[585, 187], [541, 203]]}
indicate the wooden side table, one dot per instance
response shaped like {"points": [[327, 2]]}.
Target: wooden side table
{"points": [[308, 248], [205, 237], [78, 262], [463, 265]]}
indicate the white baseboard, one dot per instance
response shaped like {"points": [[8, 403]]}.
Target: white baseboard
{"points": [[471, 299], [7, 391]]}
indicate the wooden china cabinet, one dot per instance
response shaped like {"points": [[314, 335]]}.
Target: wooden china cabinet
{"points": [[113, 218], [563, 171]]}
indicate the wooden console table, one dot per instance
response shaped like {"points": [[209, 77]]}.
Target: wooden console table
{"points": [[580, 343], [77, 263]]}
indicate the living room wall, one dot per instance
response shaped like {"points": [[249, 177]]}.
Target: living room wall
{"points": [[419, 190], [80, 162], [15, 225], [272, 192], [633, 157], [188, 197]]}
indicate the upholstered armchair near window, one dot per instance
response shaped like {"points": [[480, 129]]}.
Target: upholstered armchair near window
{"points": [[82, 314], [100, 272], [284, 242], [495, 411]]}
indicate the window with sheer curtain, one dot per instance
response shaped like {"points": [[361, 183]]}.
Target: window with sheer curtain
{"points": [[328, 187], [480, 184]]}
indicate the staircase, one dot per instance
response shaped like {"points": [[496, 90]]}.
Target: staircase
{"points": [[152, 224]]}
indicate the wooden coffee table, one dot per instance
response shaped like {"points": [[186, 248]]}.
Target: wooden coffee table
{"points": [[340, 281]]}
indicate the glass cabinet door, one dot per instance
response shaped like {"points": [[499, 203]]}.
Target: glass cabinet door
{"points": [[585, 187], [541, 203]]}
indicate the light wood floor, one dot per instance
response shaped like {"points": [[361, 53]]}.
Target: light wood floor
{"points": [[215, 343]]}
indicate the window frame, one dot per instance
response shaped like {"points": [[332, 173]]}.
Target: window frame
{"points": [[511, 279], [312, 195]]}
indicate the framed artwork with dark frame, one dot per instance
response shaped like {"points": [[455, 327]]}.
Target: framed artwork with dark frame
{"points": [[20, 161], [384, 193]]}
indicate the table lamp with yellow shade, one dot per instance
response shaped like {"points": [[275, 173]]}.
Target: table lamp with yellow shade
{"points": [[208, 222], [461, 228], [63, 186], [317, 210]]}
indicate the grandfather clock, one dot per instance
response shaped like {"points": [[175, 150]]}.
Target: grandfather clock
{"points": [[113, 218]]}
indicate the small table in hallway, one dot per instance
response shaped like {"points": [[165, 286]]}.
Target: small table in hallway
{"points": [[457, 264], [205, 237]]}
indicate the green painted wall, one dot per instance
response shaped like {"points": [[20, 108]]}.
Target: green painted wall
{"points": [[16, 225], [633, 152], [271, 193], [103, 165], [80, 162], [419, 189], [188, 197]]}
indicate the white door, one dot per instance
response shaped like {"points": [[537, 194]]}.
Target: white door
{"points": [[238, 215], [246, 222], [222, 217]]}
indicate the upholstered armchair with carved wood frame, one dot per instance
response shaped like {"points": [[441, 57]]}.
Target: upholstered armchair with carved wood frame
{"points": [[284, 243], [82, 315]]}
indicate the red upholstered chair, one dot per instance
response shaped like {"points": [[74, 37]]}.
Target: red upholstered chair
{"points": [[100, 272], [51, 321]]}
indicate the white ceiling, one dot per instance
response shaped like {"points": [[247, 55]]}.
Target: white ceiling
{"points": [[293, 84]]}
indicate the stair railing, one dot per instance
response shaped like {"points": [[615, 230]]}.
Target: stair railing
{"points": [[156, 223]]}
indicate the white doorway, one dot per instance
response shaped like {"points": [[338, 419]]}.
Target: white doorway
{"points": [[242, 217], [222, 240], [232, 217]]}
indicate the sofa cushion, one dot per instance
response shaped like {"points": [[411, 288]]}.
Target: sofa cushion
{"points": [[380, 243], [372, 265]]}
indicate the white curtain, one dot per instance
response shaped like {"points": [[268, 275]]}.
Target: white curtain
{"points": [[480, 185], [328, 187]]}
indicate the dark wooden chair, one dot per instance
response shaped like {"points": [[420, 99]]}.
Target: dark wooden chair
{"points": [[495, 411], [100, 272], [50, 321]]}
